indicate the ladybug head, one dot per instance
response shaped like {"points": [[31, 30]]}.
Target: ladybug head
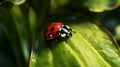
{"points": [[66, 31]]}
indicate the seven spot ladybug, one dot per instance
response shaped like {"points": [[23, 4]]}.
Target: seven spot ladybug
{"points": [[56, 30]]}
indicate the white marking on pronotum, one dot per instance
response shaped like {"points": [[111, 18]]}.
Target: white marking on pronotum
{"points": [[63, 35], [67, 26]]}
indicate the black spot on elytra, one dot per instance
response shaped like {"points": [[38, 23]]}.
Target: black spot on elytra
{"points": [[52, 28], [58, 32]]}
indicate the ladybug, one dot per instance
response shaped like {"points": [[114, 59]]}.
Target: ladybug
{"points": [[56, 30]]}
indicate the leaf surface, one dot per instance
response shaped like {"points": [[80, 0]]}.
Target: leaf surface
{"points": [[90, 46]]}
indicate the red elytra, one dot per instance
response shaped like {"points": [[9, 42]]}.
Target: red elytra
{"points": [[53, 30]]}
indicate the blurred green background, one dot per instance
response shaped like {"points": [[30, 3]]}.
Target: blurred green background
{"points": [[21, 21]]}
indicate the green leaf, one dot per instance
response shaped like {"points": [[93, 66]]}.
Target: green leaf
{"points": [[20, 23], [117, 32], [92, 5], [10, 23], [5, 52], [17, 2], [100, 5], [90, 46]]}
